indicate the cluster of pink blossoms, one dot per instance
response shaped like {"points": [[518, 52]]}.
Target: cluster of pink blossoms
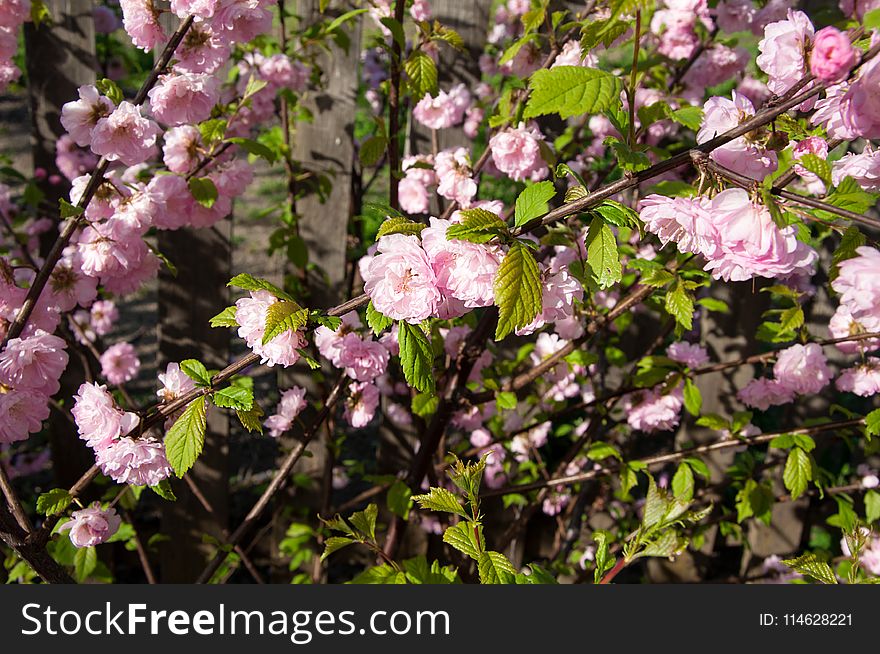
{"points": [[516, 152], [92, 526], [799, 370], [740, 155], [291, 404], [105, 427], [13, 13], [250, 314], [445, 110], [736, 235], [858, 284]]}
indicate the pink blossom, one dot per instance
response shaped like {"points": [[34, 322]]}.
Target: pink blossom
{"points": [[734, 15], [783, 50], [454, 173], [517, 153], [572, 55], [240, 21], [869, 557], [184, 98], [175, 383], [802, 368], [463, 270], [762, 393], [106, 200], [73, 161], [181, 149], [832, 55], [202, 51], [863, 168], [91, 526], [141, 20], [80, 117], [400, 280], [34, 363], [14, 12], [842, 325], [690, 354], [172, 201], [119, 363], [560, 291], [290, 405], [421, 10], [281, 72], [863, 379], [714, 66], [106, 21], [858, 283], [361, 405], [363, 359], [329, 343], [125, 136], [135, 461], [651, 411], [103, 315], [858, 8], [444, 110], [69, 287], [684, 221], [853, 109], [22, 412], [99, 421], [200, 8], [251, 315], [740, 155]]}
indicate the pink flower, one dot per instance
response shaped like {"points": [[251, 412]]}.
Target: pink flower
{"points": [[363, 360], [69, 286], [517, 153], [400, 280], [73, 161], [863, 168], [103, 315], [34, 363], [714, 66], [464, 270], [863, 379], [783, 50], [690, 354], [240, 21], [572, 55], [454, 172], [184, 98], [762, 393], [281, 72], [141, 20], [421, 10], [858, 8], [251, 315], [329, 343], [14, 12], [734, 15], [684, 221], [119, 363], [832, 56], [181, 149], [22, 412], [200, 8], [650, 411], [80, 117], [175, 383], [291, 404], [853, 110], [802, 368], [201, 51], [91, 526], [445, 110], [99, 421], [125, 136], [172, 201], [858, 283], [361, 405], [740, 155], [135, 461]]}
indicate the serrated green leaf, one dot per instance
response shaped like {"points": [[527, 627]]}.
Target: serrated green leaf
{"points": [[818, 166], [399, 225], [251, 420], [163, 489], [422, 73], [203, 191], [571, 91], [603, 258], [84, 563], [334, 544], [234, 397], [495, 568], [365, 521], [808, 564], [797, 473], [518, 292], [416, 357], [284, 316], [196, 371], [399, 499], [68, 210], [186, 438], [683, 482], [680, 305], [440, 499], [377, 321], [477, 226], [505, 400], [371, 150], [255, 148], [693, 399], [533, 202], [690, 117], [225, 318], [248, 282], [463, 536], [424, 404], [53, 502]]}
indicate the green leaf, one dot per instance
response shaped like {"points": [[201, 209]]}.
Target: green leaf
{"points": [[495, 568], [872, 423], [213, 130], [818, 166], [604, 559], [163, 489], [422, 73], [234, 397], [203, 191], [399, 499], [871, 20], [225, 318], [109, 88], [505, 400], [533, 202], [399, 225], [690, 117], [850, 241], [518, 292], [680, 305], [463, 536], [186, 438], [377, 321], [250, 283], [600, 450], [424, 404], [251, 419], [255, 148], [693, 399], [440, 499], [84, 563], [667, 544], [396, 30], [477, 226], [798, 472], [372, 150], [68, 210], [872, 506], [416, 357], [683, 482], [342, 18], [53, 502], [627, 158], [603, 258], [334, 544], [196, 371], [571, 91], [808, 564], [365, 521], [284, 316]]}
